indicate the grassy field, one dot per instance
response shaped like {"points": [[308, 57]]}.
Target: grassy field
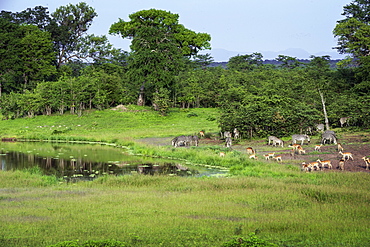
{"points": [[278, 203]]}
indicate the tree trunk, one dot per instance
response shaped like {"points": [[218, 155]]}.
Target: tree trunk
{"points": [[324, 110]]}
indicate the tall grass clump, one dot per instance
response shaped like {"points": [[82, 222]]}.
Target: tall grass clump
{"points": [[31, 177]]}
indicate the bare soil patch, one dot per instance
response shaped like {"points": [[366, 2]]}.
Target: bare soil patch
{"points": [[357, 144]]}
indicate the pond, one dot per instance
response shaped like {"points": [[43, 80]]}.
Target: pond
{"points": [[88, 161]]}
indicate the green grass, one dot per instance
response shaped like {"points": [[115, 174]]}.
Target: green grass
{"points": [[278, 203], [110, 125], [177, 211]]}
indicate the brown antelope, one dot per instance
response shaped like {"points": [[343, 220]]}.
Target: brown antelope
{"points": [[250, 150], [367, 162], [346, 155], [294, 146], [278, 158], [222, 154], [267, 157], [318, 147], [325, 162], [305, 167], [271, 155], [340, 147], [314, 165], [297, 148], [253, 156], [301, 150], [341, 164], [201, 133]]}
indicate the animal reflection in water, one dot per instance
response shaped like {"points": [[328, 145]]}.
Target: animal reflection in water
{"points": [[176, 169]]}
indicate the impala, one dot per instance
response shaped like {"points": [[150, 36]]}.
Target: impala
{"points": [[318, 147], [253, 156], [314, 165], [325, 163], [201, 133], [367, 162], [271, 155], [267, 157], [222, 154], [346, 155], [250, 150], [341, 164], [305, 167], [340, 147], [278, 158], [301, 150]]}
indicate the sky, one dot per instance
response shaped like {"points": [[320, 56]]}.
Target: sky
{"points": [[297, 28]]}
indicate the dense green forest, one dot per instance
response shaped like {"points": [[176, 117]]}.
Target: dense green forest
{"points": [[50, 65]]}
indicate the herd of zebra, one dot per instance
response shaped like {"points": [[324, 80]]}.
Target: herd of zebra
{"points": [[327, 137]]}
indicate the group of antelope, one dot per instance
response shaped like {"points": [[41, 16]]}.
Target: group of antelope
{"points": [[312, 166]]}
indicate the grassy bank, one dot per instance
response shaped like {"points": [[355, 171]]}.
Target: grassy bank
{"points": [[329, 210], [113, 125], [279, 203]]}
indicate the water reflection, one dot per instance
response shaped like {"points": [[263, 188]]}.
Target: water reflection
{"points": [[86, 161]]}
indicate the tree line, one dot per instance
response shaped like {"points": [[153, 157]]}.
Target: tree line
{"points": [[50, 65]]}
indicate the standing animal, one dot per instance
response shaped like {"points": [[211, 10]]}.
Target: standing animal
{"points": [[328, 138], [330, 132], [344, 120], [346, 155], [271, 139], [320, 127], [278, 158], [296, 149], [267, 157], [314, 166], [300, 138], [341, 164], [180, 141], [275, 141], [201, 133], [325, 163], [340, 147], [250, 150], [278, 142], [318, 147], [367, 162], [253, 156], [301, 150], [222, 154], [236, 133], [227, 134], [228, 142], [305, 167], [185, 141], [271, 155], [195, 140]]}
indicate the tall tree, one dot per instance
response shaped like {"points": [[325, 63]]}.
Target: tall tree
{"points": [[288, 62], [159, 44], [69, 30], [354, 31], [245, 62], [27, 55], [318, 72]]}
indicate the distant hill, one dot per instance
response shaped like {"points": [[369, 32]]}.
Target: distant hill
{"points": [[222, 55], [333, 63]]}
